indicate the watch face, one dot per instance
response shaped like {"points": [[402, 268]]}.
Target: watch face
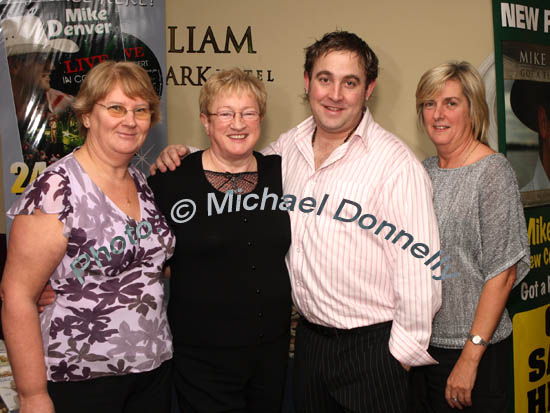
{"points": [[476, 339]]}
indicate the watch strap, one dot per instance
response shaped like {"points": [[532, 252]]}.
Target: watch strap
{"points": [[477, 340]]}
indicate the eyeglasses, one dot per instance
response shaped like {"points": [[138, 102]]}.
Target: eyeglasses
{"points": [[229, 115], [119, 111]]}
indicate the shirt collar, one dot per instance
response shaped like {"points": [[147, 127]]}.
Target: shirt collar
{"points": [[305, 129]]}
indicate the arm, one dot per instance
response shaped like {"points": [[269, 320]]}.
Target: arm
{"points": [[407, 199], [36, 246], [489, 310], [505, 261], [274, 148]]}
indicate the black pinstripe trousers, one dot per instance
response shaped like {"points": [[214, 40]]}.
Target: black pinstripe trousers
{"points": [[347, 371]]}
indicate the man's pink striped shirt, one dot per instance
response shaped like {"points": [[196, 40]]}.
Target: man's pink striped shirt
{"points": [[345, 276]]}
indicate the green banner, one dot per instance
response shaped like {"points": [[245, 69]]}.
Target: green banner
{"points": [[522, 65]]}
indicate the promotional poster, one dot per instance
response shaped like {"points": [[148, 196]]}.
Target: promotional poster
{"points": [[48, 48], [522, 63]]}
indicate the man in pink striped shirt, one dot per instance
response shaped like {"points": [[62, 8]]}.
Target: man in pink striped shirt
{"points": [[366, 302], [360, 235]]}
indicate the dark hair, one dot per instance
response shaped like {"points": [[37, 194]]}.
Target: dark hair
{"points": [[343, 41]]}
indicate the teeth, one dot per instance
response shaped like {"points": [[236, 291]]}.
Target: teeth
{"points": [[237, 136], [332, 108]]}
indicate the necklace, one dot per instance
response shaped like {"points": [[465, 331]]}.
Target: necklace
{"points": [[469, 153], [464, 159], [345, 140], [129, 196]]}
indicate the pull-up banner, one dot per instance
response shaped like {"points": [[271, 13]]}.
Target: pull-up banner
{"points": [[46, 49], [522, 63]]}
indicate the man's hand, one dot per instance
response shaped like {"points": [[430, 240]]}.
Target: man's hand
{"points": [[169, 158], [47, 297]]}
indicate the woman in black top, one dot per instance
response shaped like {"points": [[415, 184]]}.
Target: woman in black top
{"points": [[229, 306]]}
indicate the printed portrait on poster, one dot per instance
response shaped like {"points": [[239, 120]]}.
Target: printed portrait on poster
{"points": [[526, 69]]}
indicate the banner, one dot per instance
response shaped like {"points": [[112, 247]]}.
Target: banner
{"points": [[522, 64], [46, 50]]}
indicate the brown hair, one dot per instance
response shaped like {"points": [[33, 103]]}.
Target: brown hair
{"points": [[343, 41], [100, 81]]}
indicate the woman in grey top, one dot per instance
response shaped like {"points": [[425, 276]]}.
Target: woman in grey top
{"points": [[483, 235]]}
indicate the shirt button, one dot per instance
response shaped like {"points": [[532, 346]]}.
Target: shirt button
{"points": [[249, 243], [298, 250], [253, 267], [260, 314], [258, 291], [245, 220]]}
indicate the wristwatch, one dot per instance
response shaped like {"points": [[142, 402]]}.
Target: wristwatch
{"points": [[477, 340]]}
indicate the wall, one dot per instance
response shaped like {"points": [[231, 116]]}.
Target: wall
{"points": [[408, 37]]}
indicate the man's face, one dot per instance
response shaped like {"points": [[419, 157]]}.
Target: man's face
{"points": [[337, 91], [36, 69]]}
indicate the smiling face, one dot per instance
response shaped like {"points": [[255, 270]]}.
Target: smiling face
{"points": [[112, 135], [232, 139], [447, 116], [337, 92]]}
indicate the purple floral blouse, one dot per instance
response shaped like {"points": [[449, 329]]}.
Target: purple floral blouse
{"points": [[109, 316]]}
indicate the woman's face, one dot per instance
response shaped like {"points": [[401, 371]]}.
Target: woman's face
{"points": [[117, 135], [447, 116], [233, 138]]}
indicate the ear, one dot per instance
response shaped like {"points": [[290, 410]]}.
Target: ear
{"points": [[306, 82], [544, 124], [86, 120], [370, 88], [206, 123]]}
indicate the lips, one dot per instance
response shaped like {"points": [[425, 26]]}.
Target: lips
{"points": [[333, 108], [127, 135]]}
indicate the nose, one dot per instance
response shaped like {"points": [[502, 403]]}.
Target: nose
{"points": [[237, 122], [130, 118], [438, 112], [335, 92]]}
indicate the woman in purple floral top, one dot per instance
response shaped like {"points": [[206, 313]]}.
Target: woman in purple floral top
{"points": [[89, 226]]}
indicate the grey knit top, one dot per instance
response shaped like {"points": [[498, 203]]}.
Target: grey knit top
{"points": [[482, 230]]}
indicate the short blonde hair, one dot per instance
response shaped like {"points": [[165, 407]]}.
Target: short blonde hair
{"points": [[232, 81], [433, 81], [100, 81]]}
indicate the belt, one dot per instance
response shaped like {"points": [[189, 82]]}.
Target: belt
{"points": [[335, 332]]}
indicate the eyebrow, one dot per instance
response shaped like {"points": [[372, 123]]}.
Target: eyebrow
{"points": [[328, 73], [115, 102]]}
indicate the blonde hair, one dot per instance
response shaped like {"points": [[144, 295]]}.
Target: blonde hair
{"points": [[433, 81], [232, 81], [100, 81]]}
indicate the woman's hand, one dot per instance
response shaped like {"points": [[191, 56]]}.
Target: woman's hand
{"points": [[169, 158], [489, 310], [460, 383], [39, 403]]}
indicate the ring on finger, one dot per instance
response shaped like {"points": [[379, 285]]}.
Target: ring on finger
{"points": [[454, 399]]}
